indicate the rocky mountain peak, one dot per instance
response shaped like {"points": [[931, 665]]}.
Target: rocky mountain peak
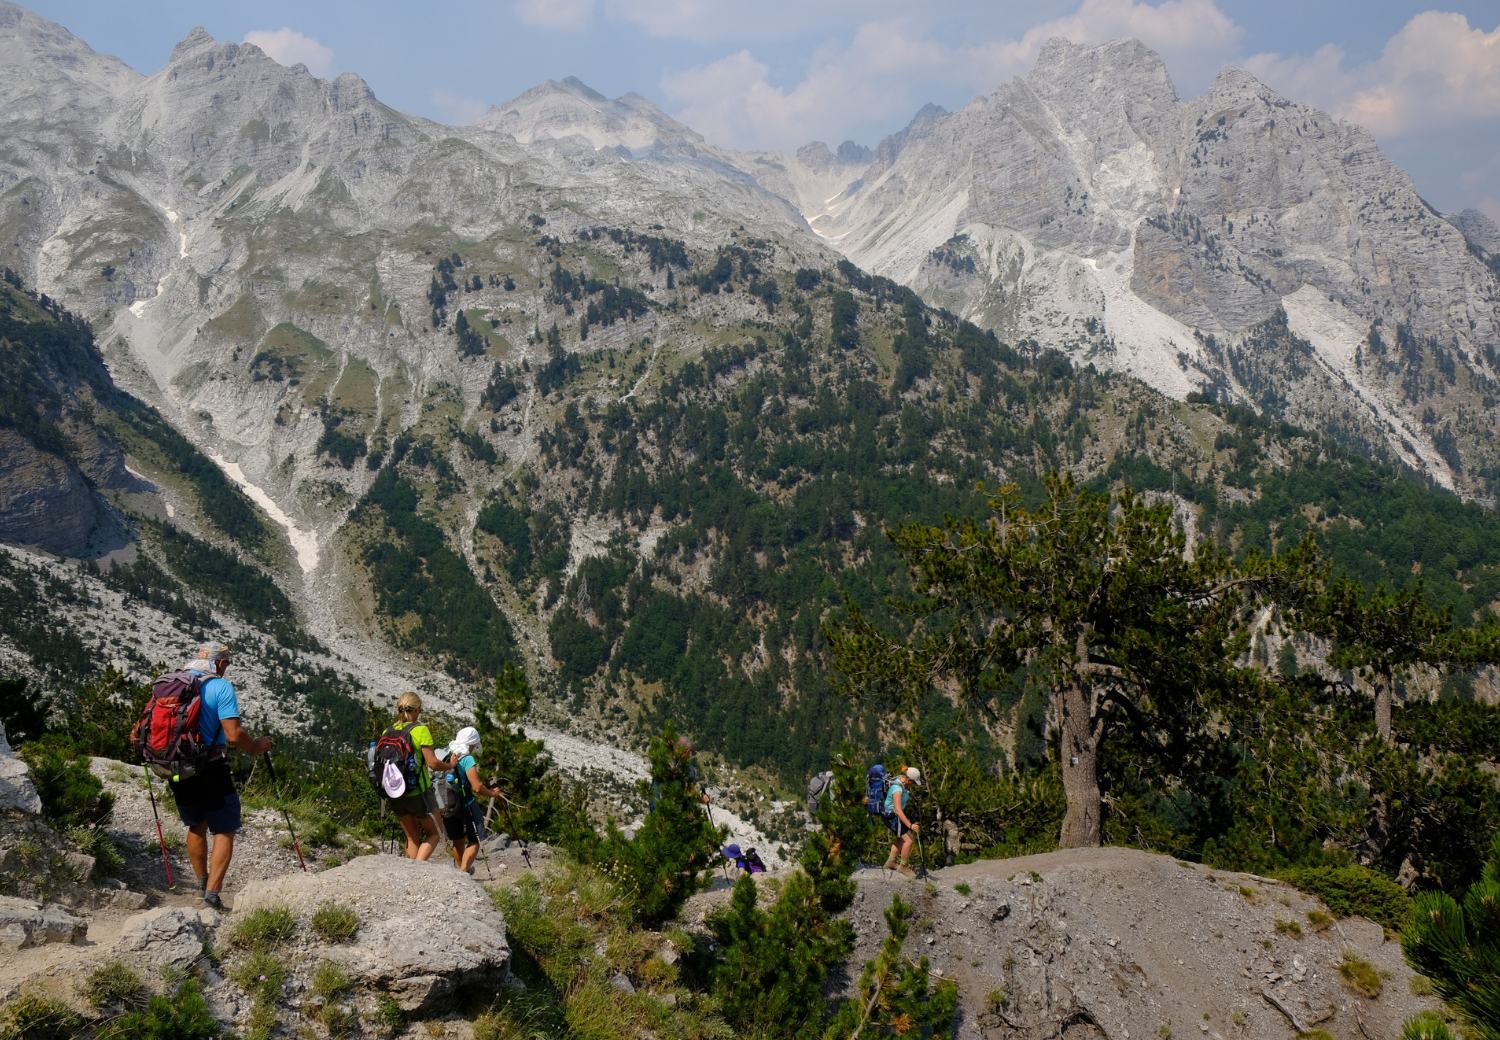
{"points": [[44, 67], [196, 41], [1128, 69], [557, 110], [1478, 230]]}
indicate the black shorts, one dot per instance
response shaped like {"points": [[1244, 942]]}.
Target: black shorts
{"points": [[894, 825], [460, 826], [208, 797]]}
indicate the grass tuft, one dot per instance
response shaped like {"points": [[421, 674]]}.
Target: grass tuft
{"points": [[335, 924], [264, 929], [114, 985], [1360, 976]]}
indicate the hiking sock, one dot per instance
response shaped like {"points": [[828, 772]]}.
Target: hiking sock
{"points": [[203, 884]]}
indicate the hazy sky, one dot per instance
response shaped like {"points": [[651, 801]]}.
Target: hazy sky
{"points": [[778, 73]]}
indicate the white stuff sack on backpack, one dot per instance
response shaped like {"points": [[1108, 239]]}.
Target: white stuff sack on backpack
{"points": [[392, 782]]}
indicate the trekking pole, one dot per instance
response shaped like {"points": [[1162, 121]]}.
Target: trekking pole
{"points": [[509, 823], [271, 769], [922, 852], [161, 839]]}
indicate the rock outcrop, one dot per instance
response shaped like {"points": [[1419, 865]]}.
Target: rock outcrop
{"points": [[17, 792], [167, 935], [25, 923], [1093, 943], [426, 931]]}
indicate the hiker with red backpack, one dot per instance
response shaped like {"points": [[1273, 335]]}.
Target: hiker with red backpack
{"points": [[402, 767], [183, 736]]}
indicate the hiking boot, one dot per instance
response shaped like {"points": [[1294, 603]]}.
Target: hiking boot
{"points": [[212, 900], [890, 863], [905, 871]]}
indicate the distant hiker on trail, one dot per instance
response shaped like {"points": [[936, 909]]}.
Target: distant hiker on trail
{"points": [[684, 752], [817, 788], [747, 862], [197, 765], [899, 823], [404, 760], [464, 822]]}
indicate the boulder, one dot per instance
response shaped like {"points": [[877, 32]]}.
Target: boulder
{"points": [[425, 929], [25, 923], [16, 789], [167, 935]]}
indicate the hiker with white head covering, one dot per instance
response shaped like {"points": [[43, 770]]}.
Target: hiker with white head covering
{"points": [[207, 800], [462, 825], [899, 823]]}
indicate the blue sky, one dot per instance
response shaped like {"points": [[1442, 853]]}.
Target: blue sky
{"points": [[778, 73]]}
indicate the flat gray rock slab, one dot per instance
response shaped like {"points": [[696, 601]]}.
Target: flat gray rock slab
{"points": [[25, 923]]}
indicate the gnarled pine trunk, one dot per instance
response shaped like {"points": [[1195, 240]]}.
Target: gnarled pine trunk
{"points": [[1385, 694], [1080, 768]]}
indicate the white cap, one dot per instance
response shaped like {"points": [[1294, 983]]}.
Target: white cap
{"points": [[914, 775], [466, 741]]}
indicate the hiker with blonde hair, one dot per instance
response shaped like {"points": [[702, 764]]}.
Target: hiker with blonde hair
{"points": [[404, 760]]}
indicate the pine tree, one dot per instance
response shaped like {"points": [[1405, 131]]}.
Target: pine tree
{"points": [[894, 996], [1097, 596], [1457, 946], [774, 961], [1389, 634], [676, 844]]}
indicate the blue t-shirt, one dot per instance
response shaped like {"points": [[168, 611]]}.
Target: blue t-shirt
{"points": [[219, 702], [461, 771]]}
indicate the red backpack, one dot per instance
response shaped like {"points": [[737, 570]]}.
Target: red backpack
{"points": [[168, 737]]}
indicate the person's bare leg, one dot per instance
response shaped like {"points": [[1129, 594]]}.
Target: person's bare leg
{"points": [[429, 838], [412, 828], [197, 850], [218, 866], [470, 854]]}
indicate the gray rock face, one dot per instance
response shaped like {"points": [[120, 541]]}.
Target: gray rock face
{"points": [[426, 930], [16, 789], [1085, 206], [168, 935], [44, 502], [24, 924]]}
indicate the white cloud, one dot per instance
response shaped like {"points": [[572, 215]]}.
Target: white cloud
{"points": [[570, 15], [895, 64], [708, 21], [456, 109], [733, 99], [1436, 71], [289, 47]]}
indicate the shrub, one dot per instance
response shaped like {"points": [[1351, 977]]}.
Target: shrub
{"points": [[184, 1016], [264, 928], [335, 924], [388, 1014], [114, 985], [31, 1017], [1360, 976], [1457, 945], [1353, 891], [1319, 920], [72, 796], [1291, 928]]}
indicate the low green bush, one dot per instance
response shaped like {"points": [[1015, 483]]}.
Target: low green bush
{"points": [[1353, 891], [31, 1017], [264, 928], [72, 796], [183, 1016], [335, 924], [114, 985]]}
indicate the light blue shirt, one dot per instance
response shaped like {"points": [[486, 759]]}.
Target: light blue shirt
{"points": [[219, 702]]}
